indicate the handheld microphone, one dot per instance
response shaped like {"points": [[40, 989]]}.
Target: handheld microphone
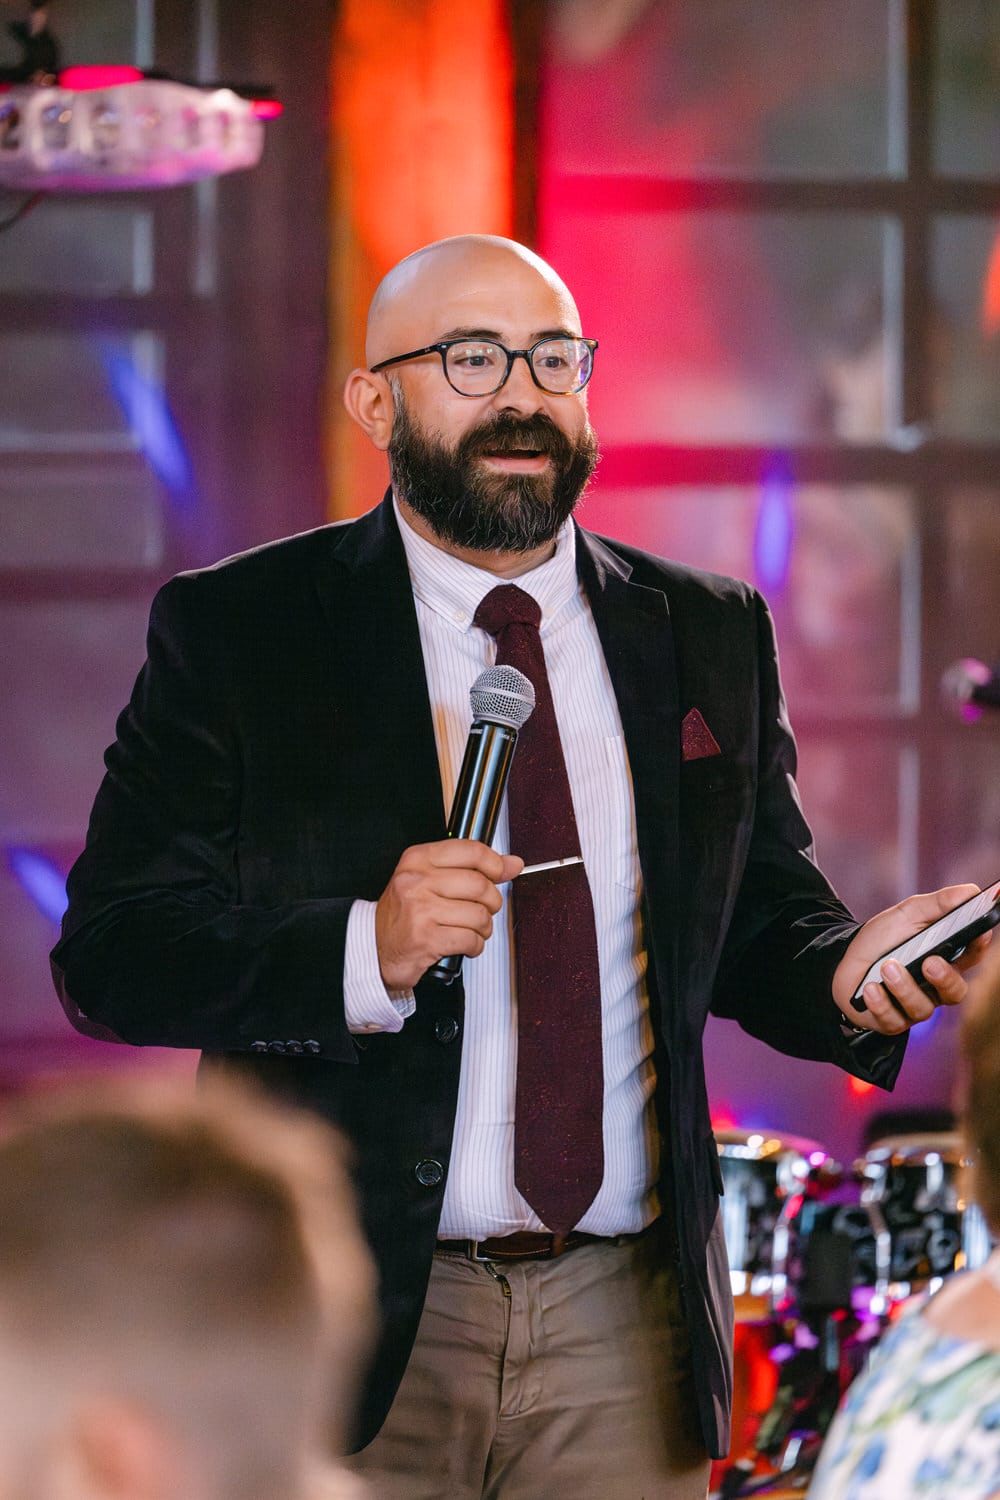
{"points": [[969, 686], [502, 701]]}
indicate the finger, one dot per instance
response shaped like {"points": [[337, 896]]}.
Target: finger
{"points": [[471, 854], [466, 916], [920, 911], [465, 885], [903, 991], [458, 940], [973, 953], [950, 987], [885, 1014]]}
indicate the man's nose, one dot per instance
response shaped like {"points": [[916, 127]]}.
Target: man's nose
{"points": [[519, 391]]}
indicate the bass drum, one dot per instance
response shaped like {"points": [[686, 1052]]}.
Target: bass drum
{"points": [[910, 1225], [924, 1227]]}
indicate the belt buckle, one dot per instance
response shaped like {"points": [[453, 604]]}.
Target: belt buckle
{"points": [[474, 1252]]}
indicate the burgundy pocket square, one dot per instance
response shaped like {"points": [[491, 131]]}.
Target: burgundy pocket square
{"points": [[697, 740]]}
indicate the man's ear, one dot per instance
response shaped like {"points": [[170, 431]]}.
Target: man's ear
{"points": [[114, 1450], [368, 399]]}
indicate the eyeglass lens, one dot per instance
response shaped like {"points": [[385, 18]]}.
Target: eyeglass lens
{"points": [[560, 366]]}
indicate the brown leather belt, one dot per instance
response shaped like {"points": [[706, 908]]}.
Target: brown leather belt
{"points": [[527, 1245]]}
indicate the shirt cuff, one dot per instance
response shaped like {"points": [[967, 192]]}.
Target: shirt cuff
{"points": [[368, 1005]]}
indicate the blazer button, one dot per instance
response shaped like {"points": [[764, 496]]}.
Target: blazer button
{"points": [[278, 1047], [429, 1173], [295, 1048], [446, 1028], [311, 1046], [258, 1046]]}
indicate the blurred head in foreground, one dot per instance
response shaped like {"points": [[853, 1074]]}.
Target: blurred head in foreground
{"points": [[184, 1297], [981, 1047]]}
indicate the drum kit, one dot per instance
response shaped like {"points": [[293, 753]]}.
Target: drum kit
{"points": [[822, 1260]]}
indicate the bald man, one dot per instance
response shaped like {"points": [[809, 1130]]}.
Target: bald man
{"points": [[267, 877]]}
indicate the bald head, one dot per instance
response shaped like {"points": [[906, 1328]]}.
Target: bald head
{"points": [[453, 285], [492, 474]]}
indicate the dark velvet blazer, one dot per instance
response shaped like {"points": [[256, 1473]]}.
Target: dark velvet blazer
{"points": [[276, 758]]}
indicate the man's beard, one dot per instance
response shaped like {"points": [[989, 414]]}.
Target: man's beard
{"points": [[467, 505]]}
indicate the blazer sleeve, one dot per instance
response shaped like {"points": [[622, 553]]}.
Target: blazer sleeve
{"points": [[157, 947], [789, 929]]}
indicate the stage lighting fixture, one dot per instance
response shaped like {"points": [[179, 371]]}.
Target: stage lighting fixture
{"points": [[96, 130]]}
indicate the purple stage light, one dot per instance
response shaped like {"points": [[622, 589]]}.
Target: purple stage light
{"points": [[774, 533], [40, 879], [148, 414]]}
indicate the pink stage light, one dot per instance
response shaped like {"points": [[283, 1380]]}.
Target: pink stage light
{"points": [[103, 76], [266, 109]]}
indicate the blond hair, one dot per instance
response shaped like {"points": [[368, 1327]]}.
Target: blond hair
{"points": [[196, 1253]]}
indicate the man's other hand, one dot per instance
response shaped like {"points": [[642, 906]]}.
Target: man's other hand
{"points": [[441, 899], [898, 1002]]}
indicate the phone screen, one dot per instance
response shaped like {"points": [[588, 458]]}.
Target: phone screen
{"points": [[944, 931]]}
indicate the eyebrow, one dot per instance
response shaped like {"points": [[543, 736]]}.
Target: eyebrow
{"points": [[493, 337]]}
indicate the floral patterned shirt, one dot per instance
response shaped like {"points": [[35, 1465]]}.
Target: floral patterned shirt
{"points": [[921, 1423]]}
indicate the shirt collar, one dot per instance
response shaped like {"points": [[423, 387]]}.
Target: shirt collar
{"points": [[454, 589]]}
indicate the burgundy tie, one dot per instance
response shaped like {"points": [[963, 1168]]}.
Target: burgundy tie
{"points": [[558, 1121]]}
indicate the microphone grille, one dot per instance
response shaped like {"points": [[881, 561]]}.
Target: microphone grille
{"points": [[503, 695]]}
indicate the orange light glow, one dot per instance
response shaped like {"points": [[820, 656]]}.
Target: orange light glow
{"points": [[859, 1087], [991, 291], [422, 130]]}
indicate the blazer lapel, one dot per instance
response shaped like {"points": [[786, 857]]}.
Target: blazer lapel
{"points": [[367, 598], [633, 623]]}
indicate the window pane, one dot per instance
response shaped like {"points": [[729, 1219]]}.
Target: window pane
{"points": [[83, 656], [966, 289], [99, 249], [851, 792], [23, 962], [68, 391], [838, 566], [62, 518], [967, 94], [768, 89], [970, 811], [725, 327], [972, 616], [113, 31]]}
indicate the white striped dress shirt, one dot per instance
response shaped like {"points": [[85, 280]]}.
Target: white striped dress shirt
{"points": [[480, 1197]]}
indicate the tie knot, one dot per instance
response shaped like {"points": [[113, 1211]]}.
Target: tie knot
{"points": [[507, 605]]}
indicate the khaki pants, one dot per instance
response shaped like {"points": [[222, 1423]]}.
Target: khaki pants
{"points": [[575, 1386]]}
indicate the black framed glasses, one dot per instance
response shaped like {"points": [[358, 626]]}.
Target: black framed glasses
{"points": [[479, 367]]}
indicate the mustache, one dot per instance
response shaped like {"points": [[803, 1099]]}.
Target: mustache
{"points": [[506, 433]]}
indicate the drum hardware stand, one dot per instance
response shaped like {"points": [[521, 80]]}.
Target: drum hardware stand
{"points": [[810, 1386], [792, 1431]]}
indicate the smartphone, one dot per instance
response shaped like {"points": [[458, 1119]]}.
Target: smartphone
{"points": [[948, 937]]}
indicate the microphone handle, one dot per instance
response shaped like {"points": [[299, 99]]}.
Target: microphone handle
{"points": [[475, 809]]}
